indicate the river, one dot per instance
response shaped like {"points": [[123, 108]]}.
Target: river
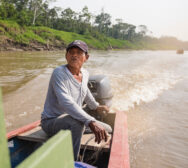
{"points": [[150, 86]]}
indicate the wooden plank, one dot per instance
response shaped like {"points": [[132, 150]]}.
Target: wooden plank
{"points": [[119, 156], [23, 129], [4, 154], [57, 152], [36, 134], [92, 145]]}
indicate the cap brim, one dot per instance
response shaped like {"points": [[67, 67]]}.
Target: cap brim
{"points": [[76, 46]]}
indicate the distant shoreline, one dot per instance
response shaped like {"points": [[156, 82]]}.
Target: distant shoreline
{"points": [[14, 37]]}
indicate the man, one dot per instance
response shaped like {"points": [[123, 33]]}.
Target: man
{"points": [[66, 93]]}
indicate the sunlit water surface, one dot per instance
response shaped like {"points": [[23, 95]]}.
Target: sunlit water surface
{"points": [[150, 86]]}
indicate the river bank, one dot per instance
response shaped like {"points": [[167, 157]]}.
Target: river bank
{"points": [[14, 37]]}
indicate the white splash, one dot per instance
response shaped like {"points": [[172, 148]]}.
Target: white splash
{"points": [[131, 89]]}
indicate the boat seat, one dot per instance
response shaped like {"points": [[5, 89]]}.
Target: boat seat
{"points": [[38, 135]]}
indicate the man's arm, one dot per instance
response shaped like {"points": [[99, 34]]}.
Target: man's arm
{"points": [[93, 105], [90, 100], [98, 130], [66, 102]]}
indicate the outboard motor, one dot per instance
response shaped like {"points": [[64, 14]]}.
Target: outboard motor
{"points": [[100, 88]]}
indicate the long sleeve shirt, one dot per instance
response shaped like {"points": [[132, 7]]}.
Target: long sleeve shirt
{"points": [[66, 95]]}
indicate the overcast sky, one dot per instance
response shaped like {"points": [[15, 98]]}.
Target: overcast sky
{"points": [[162, 17]]}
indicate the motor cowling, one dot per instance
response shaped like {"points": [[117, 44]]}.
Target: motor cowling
{"points": [[100, 88]]}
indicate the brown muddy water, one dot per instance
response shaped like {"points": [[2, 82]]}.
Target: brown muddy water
{"points": [[150, 86]]}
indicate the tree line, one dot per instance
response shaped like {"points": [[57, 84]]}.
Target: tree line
{"points": [[100, 26], [38, 13]]}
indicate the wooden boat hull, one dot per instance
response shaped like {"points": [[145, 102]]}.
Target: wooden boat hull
{"points": [[116, 156], [180, 51]]}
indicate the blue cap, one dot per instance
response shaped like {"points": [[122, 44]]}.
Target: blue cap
{"points": [[80, 44]]}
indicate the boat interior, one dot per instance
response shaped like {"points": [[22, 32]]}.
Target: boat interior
{"points": [[91, 152]]}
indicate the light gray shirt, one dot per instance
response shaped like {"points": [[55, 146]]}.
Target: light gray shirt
{"points": [[66, 95]]}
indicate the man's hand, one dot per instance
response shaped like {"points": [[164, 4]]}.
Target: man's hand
{"points": [[103, 110], [99, 131]]}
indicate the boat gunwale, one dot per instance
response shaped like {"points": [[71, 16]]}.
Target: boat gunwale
{"points": [[119, 154], [23, 129]]}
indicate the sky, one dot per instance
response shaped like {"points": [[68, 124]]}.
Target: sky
{"points": [[162, 17]]}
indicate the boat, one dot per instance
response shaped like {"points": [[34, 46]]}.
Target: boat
{"points": [[29, 146], [180, 51]]}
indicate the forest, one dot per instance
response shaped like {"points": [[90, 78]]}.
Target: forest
{"points": [[38, 13]]}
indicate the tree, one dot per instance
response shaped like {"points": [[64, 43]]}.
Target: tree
{"points": [[142, 29], [23, 18], [85, 15], [131, 32], [21, 4], [7, 10], [52, 15], [84, 21], [103, 21], [38, 7], [68, 18]]}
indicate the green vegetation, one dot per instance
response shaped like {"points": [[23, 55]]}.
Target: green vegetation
{"points": [[30, 36], [31, 23]]}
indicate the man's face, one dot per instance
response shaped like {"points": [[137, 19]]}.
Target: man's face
{"points": [[76, 57]]}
